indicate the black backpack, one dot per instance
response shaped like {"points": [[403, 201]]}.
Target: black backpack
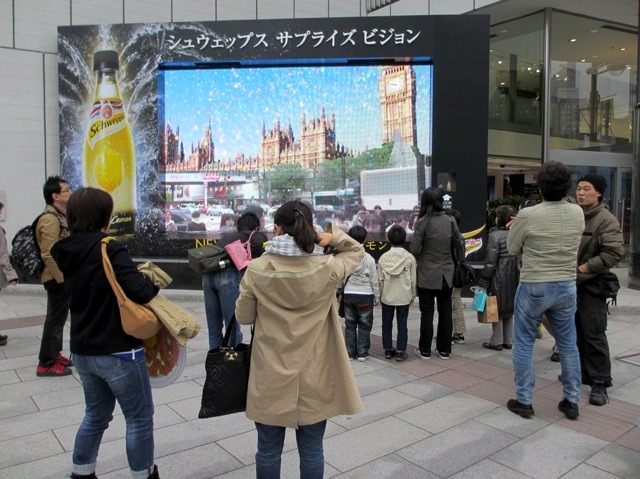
{"points": [[25, 251]]}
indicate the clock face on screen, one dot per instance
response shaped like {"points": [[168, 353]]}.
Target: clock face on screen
{"points": [[395, 84]]}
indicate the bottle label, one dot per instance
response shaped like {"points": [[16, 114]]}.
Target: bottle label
{"points": [[106, 118], [123, 223]]}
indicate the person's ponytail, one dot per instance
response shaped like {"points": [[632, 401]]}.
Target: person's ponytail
{"points": [[296, 219]]}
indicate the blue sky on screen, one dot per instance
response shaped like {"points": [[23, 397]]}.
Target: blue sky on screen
{"points": [[240, 100]]}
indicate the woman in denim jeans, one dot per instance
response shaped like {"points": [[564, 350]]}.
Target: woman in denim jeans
{"points": [[110, 363], [300, 372]]}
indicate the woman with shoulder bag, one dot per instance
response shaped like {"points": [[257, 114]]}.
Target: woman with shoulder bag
{"points": [[300, 373], [500, 276], [111, 364]]}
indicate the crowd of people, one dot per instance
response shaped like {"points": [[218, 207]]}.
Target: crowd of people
{"points": [[301, 374]]}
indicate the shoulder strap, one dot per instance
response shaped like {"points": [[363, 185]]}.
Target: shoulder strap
{"points": [[454, 250], [233, 324], [108, 270]]}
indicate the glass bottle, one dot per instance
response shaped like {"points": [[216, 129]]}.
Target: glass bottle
{"points": [[109, 159]]}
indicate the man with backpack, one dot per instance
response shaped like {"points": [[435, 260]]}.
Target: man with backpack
{"points": [[49, 228]]}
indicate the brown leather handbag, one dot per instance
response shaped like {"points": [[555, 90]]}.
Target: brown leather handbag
{"points": [[137, 320]]}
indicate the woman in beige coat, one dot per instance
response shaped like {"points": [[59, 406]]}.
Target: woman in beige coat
{"points": [[300, 372]]}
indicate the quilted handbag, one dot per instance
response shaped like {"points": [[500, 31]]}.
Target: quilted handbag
{"points": [[227, 368]]}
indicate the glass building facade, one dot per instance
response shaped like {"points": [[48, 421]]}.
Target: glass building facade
{"points": [[563, 87]]}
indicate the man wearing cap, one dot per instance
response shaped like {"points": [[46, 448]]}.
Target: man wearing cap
{"points": [[601, 248]]}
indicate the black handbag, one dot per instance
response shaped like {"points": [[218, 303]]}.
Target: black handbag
{"points": [[225, 386], [208, 259], [340, 297], [463, 272]]}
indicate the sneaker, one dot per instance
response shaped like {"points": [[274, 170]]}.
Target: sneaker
{"points": [[555, 357], [3, 337], [457, 339], [522, 410], [362, 359], [389, 353], [422, 355], [401, 356], [56, 370], [442, 355], [351, 359], [65, 361], [569, 409], [598, 396]]}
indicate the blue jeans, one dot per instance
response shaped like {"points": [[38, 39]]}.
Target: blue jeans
{"points": [[106, 379], [221, 290], [402, 313], [310, 449], [358, 314], [557, 300]]}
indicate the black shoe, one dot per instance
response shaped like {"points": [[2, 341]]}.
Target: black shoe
{"points": [[389, 353], [154, 474], [569, 409], [401, 356], [444, 356], [507, 346], [84, 476], [522, 410], [422, 355], [457, 339], [3, 337], [598, 396], [555, 357], [496, 347], [3, 342]]}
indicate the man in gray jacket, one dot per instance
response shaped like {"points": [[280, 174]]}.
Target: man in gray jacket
{"points": [[547, 236], [601, 248]]}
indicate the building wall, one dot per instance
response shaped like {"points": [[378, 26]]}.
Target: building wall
{"points": [[29, 141]]}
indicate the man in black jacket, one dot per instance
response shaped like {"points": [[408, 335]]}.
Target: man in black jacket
{"points": [[601, 248]]}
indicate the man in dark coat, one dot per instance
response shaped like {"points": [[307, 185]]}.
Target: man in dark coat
{"points": [[601, 248]]}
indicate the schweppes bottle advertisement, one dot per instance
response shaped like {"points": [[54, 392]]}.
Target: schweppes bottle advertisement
{"points": [[108, 158]]}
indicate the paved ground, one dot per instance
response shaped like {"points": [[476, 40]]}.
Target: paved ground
{"points": [[422, 419]]}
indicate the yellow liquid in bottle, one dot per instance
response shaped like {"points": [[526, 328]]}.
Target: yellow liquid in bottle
{"points": [[109, 162]]}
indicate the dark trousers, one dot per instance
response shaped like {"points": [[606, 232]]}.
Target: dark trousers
{"points": [[593, 347], [427, 298], [57, 312]]}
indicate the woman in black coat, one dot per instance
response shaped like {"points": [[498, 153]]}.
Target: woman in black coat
{"points": [[500, 276]]}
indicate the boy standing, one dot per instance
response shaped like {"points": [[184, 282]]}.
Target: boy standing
{"points": [[361, 294], [397, 274]]}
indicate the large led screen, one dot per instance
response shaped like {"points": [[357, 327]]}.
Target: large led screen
{"points": [[347, 138]]}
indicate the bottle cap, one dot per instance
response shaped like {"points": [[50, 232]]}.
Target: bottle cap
{"points": [[106, 60]]}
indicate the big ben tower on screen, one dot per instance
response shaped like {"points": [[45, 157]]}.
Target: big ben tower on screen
{"points": [[398, 101]]}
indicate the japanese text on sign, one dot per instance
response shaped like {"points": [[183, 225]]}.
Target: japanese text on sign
{"points": [[288, 39]]}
